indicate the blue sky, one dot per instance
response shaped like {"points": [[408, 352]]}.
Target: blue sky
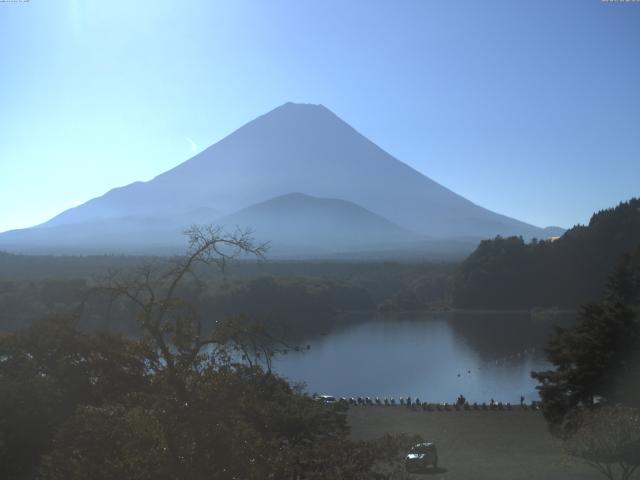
{"points": [[529, 108]]}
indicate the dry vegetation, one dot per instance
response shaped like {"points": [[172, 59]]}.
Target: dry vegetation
{"points": [[478, 445]]}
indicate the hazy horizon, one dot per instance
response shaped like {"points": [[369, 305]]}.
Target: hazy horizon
{"points": [[352, 197], [529, 110], [278, 239]]}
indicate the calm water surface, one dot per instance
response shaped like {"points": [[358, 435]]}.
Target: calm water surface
{"points": [[435, 358]]}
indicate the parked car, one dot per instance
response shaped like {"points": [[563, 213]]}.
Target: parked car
{"points": [[421, 456], [325, 398]]}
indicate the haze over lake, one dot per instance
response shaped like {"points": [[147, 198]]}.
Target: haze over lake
{"points": [[435, 357]]}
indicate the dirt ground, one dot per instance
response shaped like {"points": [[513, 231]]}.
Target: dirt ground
{"points": [[477, 445]]}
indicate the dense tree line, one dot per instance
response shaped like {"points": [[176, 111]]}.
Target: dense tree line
{"points": [[567, 272], [299, 297], [100, 406], [286, 304], [20, 267], [297, 304], [180, 401], [599, 357], [381, 279], [592, 396]]}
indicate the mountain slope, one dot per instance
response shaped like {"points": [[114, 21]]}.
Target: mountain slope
{"points": [[300, 223], [301, 148]]}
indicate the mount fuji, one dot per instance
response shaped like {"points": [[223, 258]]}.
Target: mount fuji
{"points": [[299, 176]]}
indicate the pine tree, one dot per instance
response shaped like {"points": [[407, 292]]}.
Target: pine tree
{"points": [[597, 359]]}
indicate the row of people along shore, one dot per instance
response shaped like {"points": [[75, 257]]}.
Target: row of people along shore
{"points": [[461, 403]]}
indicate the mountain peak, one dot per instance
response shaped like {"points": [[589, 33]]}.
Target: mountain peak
{"points": [[303, 106], [299, 111], [296, 147]]}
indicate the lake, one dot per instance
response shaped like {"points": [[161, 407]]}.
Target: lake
{"points": [[435, 357]]}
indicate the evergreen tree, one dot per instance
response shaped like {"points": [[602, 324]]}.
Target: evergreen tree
{"points": [[567, 272], [599, 358]]}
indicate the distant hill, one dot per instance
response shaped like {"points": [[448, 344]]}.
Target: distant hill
{"points": [[131, 235], [550, 232], [294, 148], [567, 272], [298, 223]]}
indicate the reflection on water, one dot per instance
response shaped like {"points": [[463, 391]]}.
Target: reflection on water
{"points": [[435, 358]]}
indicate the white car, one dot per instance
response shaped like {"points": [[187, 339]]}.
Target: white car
{"points": [[326, 398], [421, 456]]}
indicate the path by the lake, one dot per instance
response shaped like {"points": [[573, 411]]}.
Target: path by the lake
{"points": [[477, 445]]}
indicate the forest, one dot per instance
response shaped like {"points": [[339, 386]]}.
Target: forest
{"points": [[509, 273], [110, 365], [183, 399], [301, 298]]}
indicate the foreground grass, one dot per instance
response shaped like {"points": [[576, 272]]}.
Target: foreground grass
{"points": [[477, 445]]}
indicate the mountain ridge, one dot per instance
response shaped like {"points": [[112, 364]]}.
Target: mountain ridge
{"points": [[295, 148], [508, 273], [318, 225]]}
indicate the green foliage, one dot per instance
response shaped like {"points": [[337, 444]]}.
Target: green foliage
{"points": [[607, 438], [61, 292], [19, 304], [292, 304], [598, 357], [108, 442], [299, 298], [573, 270], [98, 406], [45, 373], [176, 402]]}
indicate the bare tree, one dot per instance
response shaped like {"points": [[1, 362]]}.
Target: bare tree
{"points": [[253, 341], [608, 440], [171, 324]]}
